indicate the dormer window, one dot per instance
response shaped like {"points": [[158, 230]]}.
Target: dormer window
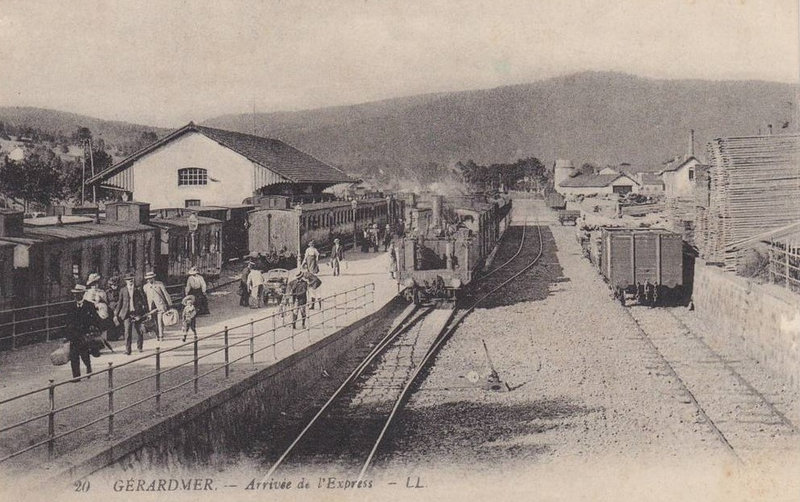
{"points": [[192, 176]]}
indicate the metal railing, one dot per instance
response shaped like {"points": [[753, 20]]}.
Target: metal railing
{"points": [[243, 342], [43, 323], [784, 264]]}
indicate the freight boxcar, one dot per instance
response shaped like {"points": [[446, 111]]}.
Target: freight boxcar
{"points": [[643, 264]]}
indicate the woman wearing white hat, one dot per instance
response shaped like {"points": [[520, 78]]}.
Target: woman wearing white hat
{"points": [[93, 293], [196, 285]]}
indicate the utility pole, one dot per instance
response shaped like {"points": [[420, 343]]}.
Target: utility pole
{"points": [[91, 163], [83, 176]]}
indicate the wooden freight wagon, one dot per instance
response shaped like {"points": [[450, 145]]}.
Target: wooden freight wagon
{"points": [[644, 264]]}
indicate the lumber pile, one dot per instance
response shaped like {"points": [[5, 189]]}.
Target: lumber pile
{"points": [[681, 215], [753, 186]]}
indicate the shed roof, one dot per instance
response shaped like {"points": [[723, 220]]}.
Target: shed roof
{"points": [[272, 154], [651, 179], [49, 233], [593, 180]]}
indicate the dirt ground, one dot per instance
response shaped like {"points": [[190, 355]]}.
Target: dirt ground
{"points": [[587, 393]]}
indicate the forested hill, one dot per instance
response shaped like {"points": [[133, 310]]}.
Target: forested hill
{"points": [[604, 118], [61, 127]]}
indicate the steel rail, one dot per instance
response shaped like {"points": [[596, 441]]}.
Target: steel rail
{"points": [[401, 327], [434, 349], [783, 418], [671, 369]]}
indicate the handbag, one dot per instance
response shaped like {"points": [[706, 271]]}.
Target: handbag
{"points": [[60, 356], [170, 317]]}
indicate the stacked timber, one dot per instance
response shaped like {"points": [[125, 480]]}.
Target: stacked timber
{"points": [[754, 186], [681, 215]]}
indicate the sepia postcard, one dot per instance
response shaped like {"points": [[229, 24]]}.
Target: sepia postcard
{"points": [[400, 250]]}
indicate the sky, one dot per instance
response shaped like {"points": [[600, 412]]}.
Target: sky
{"points": [[168, 62]]}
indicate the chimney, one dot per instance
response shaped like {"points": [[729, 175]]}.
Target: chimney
{"points": [[128, 212], [11, 223], [691, 142]]}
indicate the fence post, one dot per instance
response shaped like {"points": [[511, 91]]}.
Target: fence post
{"points": [[47, 321], [158, 379], [321, 322], [13, 329], [346, 308], [110, 399], [227, 367], [195, 365], [252, 345], [274, 343], [51, 418], [786, 265]]}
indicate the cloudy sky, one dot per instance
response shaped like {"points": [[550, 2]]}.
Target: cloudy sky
{"points": [[167, 62]]}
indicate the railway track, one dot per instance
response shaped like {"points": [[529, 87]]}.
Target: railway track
{"points": [[350, 427], [745, 421]]}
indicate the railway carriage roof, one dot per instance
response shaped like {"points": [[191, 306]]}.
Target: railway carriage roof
{"points": [[272, 154], [182, 221]]}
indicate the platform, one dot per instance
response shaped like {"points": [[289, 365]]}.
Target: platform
{"points": [[29, 368]]}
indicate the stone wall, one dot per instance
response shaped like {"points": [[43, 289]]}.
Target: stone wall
{"points": [[224, 423], [762, 318]]}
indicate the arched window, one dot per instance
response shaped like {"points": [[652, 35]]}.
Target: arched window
{"points": [[192, 176]]}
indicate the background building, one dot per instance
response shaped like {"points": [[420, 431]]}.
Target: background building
{"points": [[202, 166]]}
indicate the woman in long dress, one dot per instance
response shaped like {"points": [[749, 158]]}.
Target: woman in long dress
{"points": [[196, 285], [311, 259]]}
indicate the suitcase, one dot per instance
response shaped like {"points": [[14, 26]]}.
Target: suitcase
{"points": [[170, 317], [60, 356]]}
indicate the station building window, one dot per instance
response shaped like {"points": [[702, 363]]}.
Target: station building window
{"points": [[54, 269], [132, 255], [192, 176], [76, 266]]}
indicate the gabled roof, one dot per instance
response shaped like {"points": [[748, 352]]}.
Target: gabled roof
{"points": [[272, 154], [678, 163], [593, 180]]}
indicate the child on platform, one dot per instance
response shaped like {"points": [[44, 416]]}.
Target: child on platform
{"points": [[189, 317]]}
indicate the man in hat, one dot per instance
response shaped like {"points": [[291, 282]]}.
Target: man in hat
{"points": [[158, 299], [131, 308], [337, 255], [244, 290], [80, 319], [298, 289], [255, 285], [196, 285]]}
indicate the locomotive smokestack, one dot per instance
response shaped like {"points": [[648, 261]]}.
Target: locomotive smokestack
{"points": [[436, 205]]}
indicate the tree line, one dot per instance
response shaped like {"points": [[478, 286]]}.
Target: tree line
{"points": [[525, 174]]}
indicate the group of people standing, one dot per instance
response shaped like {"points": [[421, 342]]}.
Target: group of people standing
{"points": [[373, 236], [120, 310]]}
